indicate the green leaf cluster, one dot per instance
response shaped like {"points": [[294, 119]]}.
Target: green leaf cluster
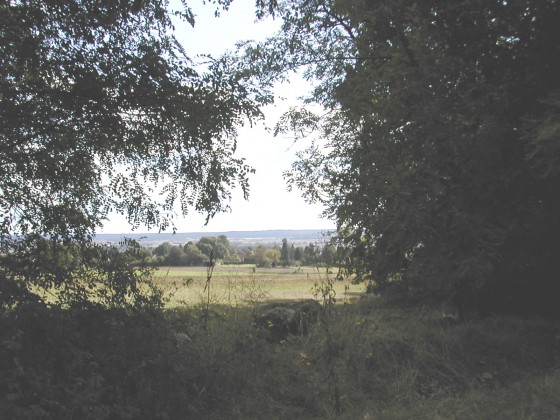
{"points": [[103, 110], [437, 153], [77, 275], [217, 248]]}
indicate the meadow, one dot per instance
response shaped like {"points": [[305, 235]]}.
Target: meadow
{"points": [[366, 357], [247, 284]]}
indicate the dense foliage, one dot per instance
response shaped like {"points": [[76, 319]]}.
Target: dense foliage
{"points": [[101, 110], [370, 361], [287, 255], [100, 106], [439, 142], [77, 275], [207, 249]]}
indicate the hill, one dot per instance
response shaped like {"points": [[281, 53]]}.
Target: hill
{"points": [[254, 237]]}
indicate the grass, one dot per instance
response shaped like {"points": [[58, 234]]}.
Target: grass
{"points": [[366, 358], [372, 360], [236, 284]]}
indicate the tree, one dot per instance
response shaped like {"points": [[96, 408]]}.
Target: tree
{"points": [[226, 248], [102, 110], [99, 106], [162, 250], [266, 257], [442, 141], [193, 256], [310, 254], [298, 254], [285, 253], [219, 247], [328, 255], [176, 256]]}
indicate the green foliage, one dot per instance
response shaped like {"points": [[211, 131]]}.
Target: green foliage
{"points": [[438, 144], [285, 253], [311, 254], [265, 257], [196, 254], [387, 362], [102, 110], [162, 250], [193, 255], [218, 246], [92, 364], [100, 106], [76, 275]]}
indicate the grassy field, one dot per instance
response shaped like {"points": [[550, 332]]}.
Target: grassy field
{"points": [[371, 359], [238, 284]]}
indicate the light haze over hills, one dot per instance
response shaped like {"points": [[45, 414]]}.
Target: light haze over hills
{"points": [[254, 237]]}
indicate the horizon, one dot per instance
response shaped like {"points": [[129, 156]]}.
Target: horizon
{"points": [[270, 202], [244, 237], [206, 232]]}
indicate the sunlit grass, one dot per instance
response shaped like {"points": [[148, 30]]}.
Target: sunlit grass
{"points": [[187, 284]]}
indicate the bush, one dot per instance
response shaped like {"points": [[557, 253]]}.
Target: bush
{"points": [[365, 360], [91, 364]]}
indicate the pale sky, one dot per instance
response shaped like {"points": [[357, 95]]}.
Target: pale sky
{"points": [[270, 205]]}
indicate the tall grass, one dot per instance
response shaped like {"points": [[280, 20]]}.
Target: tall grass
{"points": [[364, 360], [371, 359]]}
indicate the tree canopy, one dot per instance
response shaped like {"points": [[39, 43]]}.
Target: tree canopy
{"points": [[440, 140], [103, 110]]}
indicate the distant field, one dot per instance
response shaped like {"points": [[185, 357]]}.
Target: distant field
{"points": [[243, 284]]}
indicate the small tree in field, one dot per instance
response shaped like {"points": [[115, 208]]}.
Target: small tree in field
{"points": [[285, 253]]}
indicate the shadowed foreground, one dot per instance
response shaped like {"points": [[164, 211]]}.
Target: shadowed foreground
{"points": [[363, 360]]}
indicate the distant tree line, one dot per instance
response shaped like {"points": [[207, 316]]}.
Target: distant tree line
{"points": [[289, 255], [215, 248], [219, 249]]}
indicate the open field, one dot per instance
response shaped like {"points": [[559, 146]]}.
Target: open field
{"points": [[241, 284]]}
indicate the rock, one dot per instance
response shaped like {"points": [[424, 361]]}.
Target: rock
{"points": [[279, 319], [486, 376]]}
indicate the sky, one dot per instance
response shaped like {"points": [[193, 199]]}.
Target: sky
{"points": [[270, 205]]}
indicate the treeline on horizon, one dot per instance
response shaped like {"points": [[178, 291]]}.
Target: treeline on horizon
{"points": [[219, 250]]}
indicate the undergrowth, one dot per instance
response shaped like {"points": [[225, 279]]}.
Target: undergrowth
{"points": [[209, 363]]}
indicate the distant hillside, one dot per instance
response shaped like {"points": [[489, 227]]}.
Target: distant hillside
{"points": [[256, 237]]}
